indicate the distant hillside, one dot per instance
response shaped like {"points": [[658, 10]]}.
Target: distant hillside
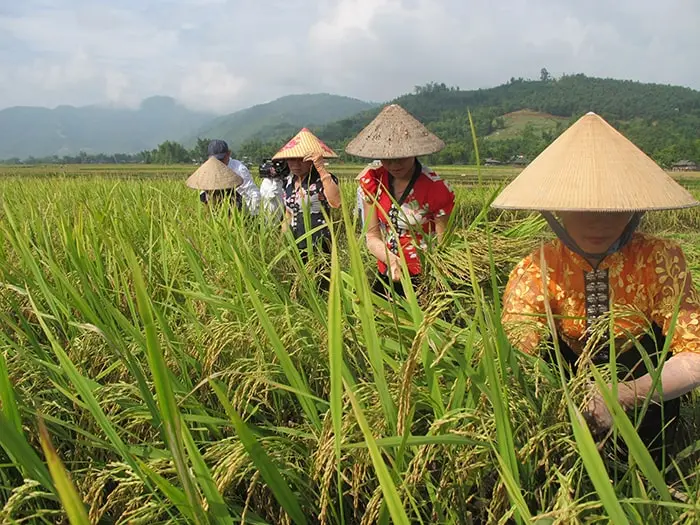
{"points": [[280, 118], [662, 120], [515, 123], [67, 130]]}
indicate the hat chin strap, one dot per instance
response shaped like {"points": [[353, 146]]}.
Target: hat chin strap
{"points": [[569, 242]]}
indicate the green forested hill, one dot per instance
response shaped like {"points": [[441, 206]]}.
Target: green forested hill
{"points": [[280, 118], [662, 120]]}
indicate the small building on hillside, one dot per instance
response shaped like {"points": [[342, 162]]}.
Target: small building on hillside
{"points": [[492, 162], [519, 160], [685, 165]]}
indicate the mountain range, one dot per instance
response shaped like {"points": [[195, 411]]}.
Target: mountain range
{"points": [[280, 118], [518, 118], [66, 130]]}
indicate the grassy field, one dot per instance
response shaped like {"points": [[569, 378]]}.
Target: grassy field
{"points": [[516, 122], [455, 174], [187, 369]]}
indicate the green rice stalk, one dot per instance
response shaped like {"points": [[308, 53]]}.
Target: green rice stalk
{"points": [[391, 495], [70, 499], [293, 376], [166, 400], [270, 473]]}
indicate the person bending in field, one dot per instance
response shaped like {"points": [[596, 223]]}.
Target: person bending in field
{"points": [[217, 182], [246, 196], [309, 192], [404, 200], [601, 273]]}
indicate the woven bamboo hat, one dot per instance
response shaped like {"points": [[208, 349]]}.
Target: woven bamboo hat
{"points": [[394, 134], [593, 167], [214, 175], [304, 143]]}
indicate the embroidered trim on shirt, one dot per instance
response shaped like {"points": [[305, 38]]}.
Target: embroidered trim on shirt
{"points": [[597, 286]]}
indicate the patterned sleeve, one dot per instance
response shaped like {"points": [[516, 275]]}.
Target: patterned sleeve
{"points": [[675, 289], [523, 306], [369, 184], [443, 199]]}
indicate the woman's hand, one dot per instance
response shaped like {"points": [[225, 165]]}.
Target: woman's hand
{"points": [[317, 159], [395, 269], [597, 414]]}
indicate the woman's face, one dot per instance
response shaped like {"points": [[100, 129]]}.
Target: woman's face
{"points": [[400, 168], [299, 167], [595, 232]]}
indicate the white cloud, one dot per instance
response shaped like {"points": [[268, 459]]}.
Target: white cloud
{"points": [[348, 18], [228, 54], [211, 86]]}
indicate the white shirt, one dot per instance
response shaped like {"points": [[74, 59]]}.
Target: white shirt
{"points": [[361, 205], [272, 195], [248, 190]]}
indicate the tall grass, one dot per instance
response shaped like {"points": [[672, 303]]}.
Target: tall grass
{"points": [[188, 369]]}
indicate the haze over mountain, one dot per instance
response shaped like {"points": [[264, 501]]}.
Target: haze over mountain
{"points": [[67, 130]]}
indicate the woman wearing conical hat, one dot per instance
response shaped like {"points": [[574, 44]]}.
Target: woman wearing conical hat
{"points": [[309, 189], [404, 200], [592, 186]]}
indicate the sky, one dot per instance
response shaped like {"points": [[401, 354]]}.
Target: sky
{"points": [[224, 55]]}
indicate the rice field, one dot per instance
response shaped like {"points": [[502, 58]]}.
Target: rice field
{"points": [[161, 363]]}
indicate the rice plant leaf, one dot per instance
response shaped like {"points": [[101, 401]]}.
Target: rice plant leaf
{"points": [[68, 494], [293, 376], [498, 392], [174, 495], [218, 510], [514, 492], [636, 447], [391, 495], [420, 441], [7, 398], [594, 466], [366, 313], [23, 455], [335, 348], [270, 473], [166, 399], [84, 389], [472, 129]]}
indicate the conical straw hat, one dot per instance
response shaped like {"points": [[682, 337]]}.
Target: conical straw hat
{"points": [[593, 167], [394, 134], [214, 175], [304, 143]]}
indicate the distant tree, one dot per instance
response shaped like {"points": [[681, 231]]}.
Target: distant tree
{"points": [[544, 75], [256, 150], [170, 152], [200, 151]]}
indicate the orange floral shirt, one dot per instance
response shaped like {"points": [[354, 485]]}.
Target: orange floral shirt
{"points": [[646, 279]]}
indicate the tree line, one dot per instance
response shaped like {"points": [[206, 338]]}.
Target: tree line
{"points": [[168, 152]]}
